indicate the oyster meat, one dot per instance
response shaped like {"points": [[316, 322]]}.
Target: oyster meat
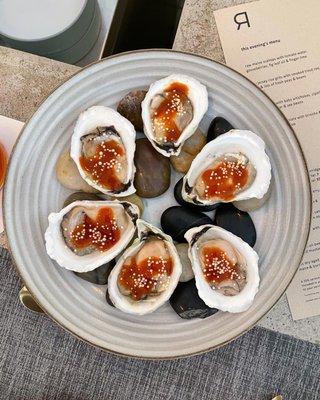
{"points": [[225, 268], [102, 146], [232, 167], [86, 234], [172, 110], [146, 274]]}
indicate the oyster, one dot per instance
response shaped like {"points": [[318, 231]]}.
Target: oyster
{"points": [[232, 167], [87, 234], [171, 112], [102, 146], [225, 268], [146, 274]]}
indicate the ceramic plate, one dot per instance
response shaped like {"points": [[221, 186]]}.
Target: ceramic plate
{"points": [[32, 192]]}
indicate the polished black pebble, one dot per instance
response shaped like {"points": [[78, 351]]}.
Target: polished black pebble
{"points": [[236, 221], [178, 196], [217, 127], [187, 304], [176, 220], [98, 276]]}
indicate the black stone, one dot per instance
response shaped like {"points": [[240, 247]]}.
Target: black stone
{"points": [[217, 127], [176, 220], [98, 276], [187, 304], [178, 196], [236, 221]]}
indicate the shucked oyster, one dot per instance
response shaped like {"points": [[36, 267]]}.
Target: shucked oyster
{"points": [[146, 274], [232, 167], [102, 146], [171, 112], [225, 268], [87, 234]]}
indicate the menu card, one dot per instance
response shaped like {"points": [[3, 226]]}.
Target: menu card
{"points": [[275, 43]]}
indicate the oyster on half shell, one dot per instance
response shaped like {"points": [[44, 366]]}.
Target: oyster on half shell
{"points": [[86, 234], [225, 268], [146, 274], [172, 110], [103, 146], [230, 168]]}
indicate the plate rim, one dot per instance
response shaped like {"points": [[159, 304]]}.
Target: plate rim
{"points": [[5, 217]]}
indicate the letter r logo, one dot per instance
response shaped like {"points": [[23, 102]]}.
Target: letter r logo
{"points": [[241, 19]]}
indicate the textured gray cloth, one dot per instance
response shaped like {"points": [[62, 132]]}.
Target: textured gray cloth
{"points": [[38, 360]]}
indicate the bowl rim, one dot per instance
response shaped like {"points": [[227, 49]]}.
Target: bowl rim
{"points": [[20, 273]]}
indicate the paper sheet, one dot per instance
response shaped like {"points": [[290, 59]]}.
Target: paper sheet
{"points": [[276, 44], [9, 131]]}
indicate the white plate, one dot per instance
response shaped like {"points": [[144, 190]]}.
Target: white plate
{"points": [[32, 192]]}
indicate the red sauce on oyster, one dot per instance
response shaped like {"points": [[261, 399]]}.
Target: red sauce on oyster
{"points": [[224, 180], [175, 98], [142, 279], [104, 165], [217, 267], [101, 233]]}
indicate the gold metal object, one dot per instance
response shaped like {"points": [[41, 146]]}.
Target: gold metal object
{"points": [[278, 397], [28, 301]]}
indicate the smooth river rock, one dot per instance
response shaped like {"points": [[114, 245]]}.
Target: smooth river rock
{"points": [[153, 172]]}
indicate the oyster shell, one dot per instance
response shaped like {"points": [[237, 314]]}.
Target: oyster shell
{"points": [[146, 274], [232, 167], [225, 268], [172, 110], [86, 234], [102, 146]]}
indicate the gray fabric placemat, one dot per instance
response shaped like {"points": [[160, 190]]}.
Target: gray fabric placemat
{"points": [[38, 360]]}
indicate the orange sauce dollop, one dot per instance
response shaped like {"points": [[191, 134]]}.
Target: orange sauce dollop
{"points": [[3, 164], [175, 97], [103, 165], [224, 180], [217, 266], [102, 232], [142, 278]]}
